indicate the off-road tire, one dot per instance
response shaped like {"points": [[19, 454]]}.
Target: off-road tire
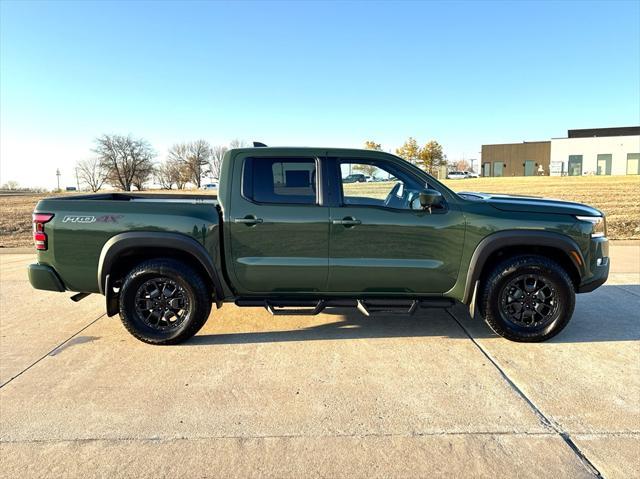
{"points": [[193, 292], [494, 295]]}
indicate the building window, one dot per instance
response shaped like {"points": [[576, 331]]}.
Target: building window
{"points": [[633, 163], [486, 169], [575, 165], [529, 167], [604, 164], [497, 168]]}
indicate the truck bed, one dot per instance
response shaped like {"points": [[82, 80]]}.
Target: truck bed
{"points": [[83, 224]]}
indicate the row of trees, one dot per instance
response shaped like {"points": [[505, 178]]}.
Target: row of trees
{"points": [[125, 163], [429, 157]]}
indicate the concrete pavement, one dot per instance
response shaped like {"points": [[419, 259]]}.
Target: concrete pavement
{"points": [[337, 395]]}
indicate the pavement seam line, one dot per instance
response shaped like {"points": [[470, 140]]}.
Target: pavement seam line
{"points": [[51, 351], [621, 286], [550, 434], [543, 418]]}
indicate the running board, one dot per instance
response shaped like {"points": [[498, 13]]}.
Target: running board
{"points": [[371, 308], [368, 307], [289, 311]]}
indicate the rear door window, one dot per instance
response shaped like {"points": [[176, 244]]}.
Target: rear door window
{"points": [[280, 180]]}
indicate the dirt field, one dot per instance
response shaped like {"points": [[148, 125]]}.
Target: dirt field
{"points": [[617, 196]]}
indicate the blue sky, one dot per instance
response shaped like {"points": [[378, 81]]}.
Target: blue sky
{"points": [[307, 73]]}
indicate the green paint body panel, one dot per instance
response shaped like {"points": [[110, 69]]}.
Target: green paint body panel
{"points": [[297, 250]]}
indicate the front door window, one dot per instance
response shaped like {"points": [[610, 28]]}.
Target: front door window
{"points": [[368, 184]]}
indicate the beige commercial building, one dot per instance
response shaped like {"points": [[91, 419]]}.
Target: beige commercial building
{"points": [[529, 158]]}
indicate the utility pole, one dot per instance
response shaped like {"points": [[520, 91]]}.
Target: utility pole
{"points": [[77, 179], [58, 175]]}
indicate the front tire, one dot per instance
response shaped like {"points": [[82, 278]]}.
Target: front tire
{"points": [[527, 299], [164, 301]]}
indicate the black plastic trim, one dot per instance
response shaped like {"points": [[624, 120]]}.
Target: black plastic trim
{"points": [[504, 239], [119, 243], [601, 278], [44, 270]]}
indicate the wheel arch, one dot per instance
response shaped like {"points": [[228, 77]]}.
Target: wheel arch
{"points": [[123, 251], [505, 244]]}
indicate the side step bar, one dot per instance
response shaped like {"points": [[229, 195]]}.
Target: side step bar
{"points": [[368, 307], [289, 311]]}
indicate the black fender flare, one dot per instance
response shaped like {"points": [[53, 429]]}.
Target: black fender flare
{"points": [[503, 239], [118, 244]]}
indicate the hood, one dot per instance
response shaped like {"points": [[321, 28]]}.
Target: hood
{"points": [[532, 204]]}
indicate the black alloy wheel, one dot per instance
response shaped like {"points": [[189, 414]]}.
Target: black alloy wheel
{"points": [[162, 303]]}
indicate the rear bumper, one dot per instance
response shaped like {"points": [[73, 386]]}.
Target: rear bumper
{"points": [[44, 277]]}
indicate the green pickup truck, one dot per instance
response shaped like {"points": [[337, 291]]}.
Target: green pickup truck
{"points": [[288, 232]]}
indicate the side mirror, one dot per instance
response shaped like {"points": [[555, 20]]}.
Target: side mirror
{"points": [[429, 197]]}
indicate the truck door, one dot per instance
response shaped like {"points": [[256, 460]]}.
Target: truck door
{"points": [[279, 233], [380, 244]]}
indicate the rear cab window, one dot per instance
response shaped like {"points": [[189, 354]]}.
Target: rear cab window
{"points": [[280, 180]]}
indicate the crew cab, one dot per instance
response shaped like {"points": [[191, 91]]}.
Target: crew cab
{"points": [[287, 233]]}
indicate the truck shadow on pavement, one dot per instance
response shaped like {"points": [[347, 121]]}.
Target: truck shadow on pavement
{"points": [[609, 314]]}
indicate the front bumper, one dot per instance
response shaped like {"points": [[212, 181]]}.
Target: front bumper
{"points": [[599, 277], [44, 277], [598, 263]]}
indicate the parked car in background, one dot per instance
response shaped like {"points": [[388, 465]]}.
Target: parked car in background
{"points": [[209, 186], [456, 175], [355, 178], [471, 174]]}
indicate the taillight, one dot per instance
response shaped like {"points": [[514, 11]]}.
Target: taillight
{"points": [[39, 236]]}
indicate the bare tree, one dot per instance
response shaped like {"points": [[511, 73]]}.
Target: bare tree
{"points": [[237, 144], [172, 172], [198, 159], [194, 157], [462, 165], [125, 160], [92, 173], [163, 176], [11, 185], [142, 176], [215, 165]]}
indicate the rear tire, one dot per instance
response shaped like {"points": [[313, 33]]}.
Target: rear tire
{"points": [[527, 299], [164, 301]]}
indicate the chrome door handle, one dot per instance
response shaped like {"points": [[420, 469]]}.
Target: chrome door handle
{"points": [[348, 221], [248, 220]]}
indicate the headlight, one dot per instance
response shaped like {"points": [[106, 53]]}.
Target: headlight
{"points": [[599, 225]]}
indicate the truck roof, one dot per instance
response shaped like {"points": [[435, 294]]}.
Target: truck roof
{"points": [[310, 150]]}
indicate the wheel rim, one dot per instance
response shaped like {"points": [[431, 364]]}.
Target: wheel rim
{"points": [[529, 301], [162, 304]]}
